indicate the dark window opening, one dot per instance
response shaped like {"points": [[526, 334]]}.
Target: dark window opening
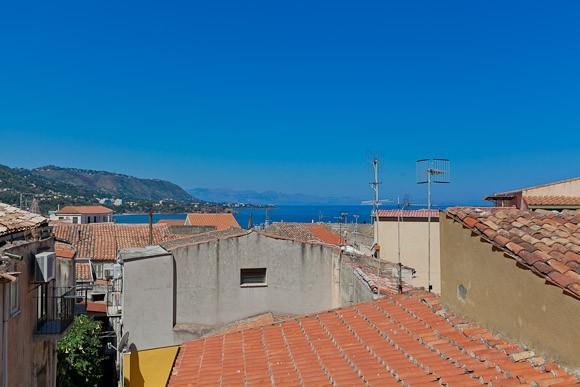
{"points": [[253, 277]]}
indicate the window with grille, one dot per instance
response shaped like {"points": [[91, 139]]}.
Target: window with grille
{"points": [[253, 277]]}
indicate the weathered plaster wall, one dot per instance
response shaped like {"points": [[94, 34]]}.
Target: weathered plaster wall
{"points": [[301, 278], [170, 299], [31, 360], [486, 286], [414, 242], [569, 188]]}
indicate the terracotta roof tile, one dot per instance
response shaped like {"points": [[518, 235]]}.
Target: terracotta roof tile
{"points": [[404, 339], [101, 241], [64, 250], [84, 272], [544, 241], [219, 221], [172, 222], [84, 210], [553, 201], [13, 220], [305, 232]]}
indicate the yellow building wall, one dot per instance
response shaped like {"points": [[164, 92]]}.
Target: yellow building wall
{"points": [[149, 368]]}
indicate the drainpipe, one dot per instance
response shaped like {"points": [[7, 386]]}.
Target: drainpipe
{"points": [[4, 336]]}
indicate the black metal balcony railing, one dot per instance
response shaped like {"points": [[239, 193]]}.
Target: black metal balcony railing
{"points": [[55, 309]]}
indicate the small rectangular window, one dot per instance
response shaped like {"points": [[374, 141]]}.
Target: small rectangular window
{"points": [[253, 277], [14, 297], [99, 272]]}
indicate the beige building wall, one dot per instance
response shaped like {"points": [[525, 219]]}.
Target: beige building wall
{"points": [[484, 285], [568, 188], [414, 242]]}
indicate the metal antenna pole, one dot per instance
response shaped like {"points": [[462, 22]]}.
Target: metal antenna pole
{"points": [[400, 215], [429, 172]]}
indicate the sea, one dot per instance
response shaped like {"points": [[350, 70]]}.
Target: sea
{"points": [[286, 213]]}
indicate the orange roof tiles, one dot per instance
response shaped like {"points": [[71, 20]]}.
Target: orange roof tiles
{"points": [[84, 272], [306, 232], [408, 213], [101, 241], [548, 243], [64, 250], [219, 221], [172, 222], [404, 339], [92, 210], [96, 307], [553, 201], [13, 220]]}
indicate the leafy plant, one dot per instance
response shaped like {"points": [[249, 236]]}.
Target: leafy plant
{"points": [[79, 354]]}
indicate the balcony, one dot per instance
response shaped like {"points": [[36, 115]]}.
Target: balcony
{"points": [[114, 298], [55, 309]]}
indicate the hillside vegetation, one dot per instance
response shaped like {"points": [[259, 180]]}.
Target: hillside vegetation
{"points": [[53, 186]]}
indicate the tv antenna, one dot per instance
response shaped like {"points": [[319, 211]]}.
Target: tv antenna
{"points": [[376, 202], [431, 171]]}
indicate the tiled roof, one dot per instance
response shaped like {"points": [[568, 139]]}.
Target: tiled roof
{"points": [[379, 283], [13, 220], [172, 222], [84, 272], [408, 213], [305, 232], [96, 307], [219, 221], [84, 210], [548, 243], [101, 241], [553, 200], [204, 238], [405, 339], [64, 250]]}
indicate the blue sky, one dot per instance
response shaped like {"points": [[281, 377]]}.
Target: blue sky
{"points": [[295, 96]]}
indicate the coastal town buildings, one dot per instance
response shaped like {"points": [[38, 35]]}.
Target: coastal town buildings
{"points": [[83, 214], [234, 275], [92, 249], [558, 195], [403, 236], [516, 272], [38, 307]]}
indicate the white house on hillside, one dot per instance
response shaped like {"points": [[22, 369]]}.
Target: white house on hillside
{"points": [[83, 214]]}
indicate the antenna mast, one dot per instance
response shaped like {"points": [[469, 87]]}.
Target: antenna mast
{"points": [[431, 171]]}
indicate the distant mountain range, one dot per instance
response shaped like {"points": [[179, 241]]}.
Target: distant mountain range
{"points": [[267, 197], [72, 182]]}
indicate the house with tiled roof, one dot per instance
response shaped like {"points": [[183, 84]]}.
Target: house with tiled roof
{"points": [[401, 340], [403, 236], [306, 232], [217, 221], [37, 308], [516, 272], [83, 214], [100, 242], [558, 195]]}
